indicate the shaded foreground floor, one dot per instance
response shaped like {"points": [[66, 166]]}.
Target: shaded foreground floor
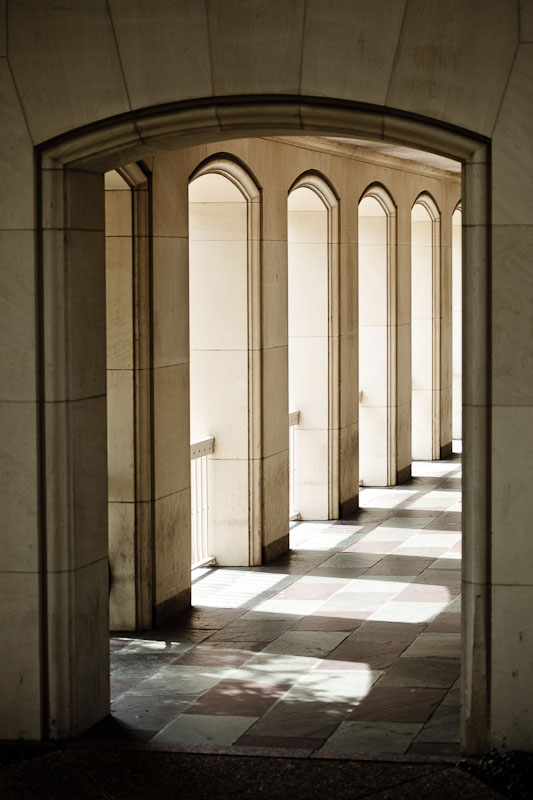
{"points": [[349, 644], [81, 774]]}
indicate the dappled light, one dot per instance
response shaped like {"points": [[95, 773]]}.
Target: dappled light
{"points": [[355, 630]]}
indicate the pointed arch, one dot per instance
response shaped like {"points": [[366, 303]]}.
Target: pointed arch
{"points": [[318, 183], [379, 459], [426, 439], [239, 175], [457, 321]]}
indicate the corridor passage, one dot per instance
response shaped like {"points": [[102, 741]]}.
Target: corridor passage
{"points": [[350, 644]]}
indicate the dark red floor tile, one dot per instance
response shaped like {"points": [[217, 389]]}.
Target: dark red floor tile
{"points": [[397, 704], [435, 673], [400, 565], [207, 656], [255, 647], [239, 699], [321, 622], [376, 655], [446, 622]]}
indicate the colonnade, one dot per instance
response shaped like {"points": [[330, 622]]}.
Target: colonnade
{"points": [[277, 276]]}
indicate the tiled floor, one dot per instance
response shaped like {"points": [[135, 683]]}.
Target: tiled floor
{"points": [[349, 644]]}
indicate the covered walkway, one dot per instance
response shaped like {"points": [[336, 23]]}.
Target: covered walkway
{"points": [[349, 644]]}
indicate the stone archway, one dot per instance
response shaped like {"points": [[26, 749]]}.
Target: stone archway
{"points": [[72, 353]]}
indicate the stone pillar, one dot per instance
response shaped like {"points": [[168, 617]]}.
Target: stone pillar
{"points": [[21, 687], [403, 345], [445, 388], [75, 524], [171, 568]]}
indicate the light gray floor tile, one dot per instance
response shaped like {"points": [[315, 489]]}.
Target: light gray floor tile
{"points": [[273, 668], [203, 729], [182, 680], [371, 737], [408, 612], [349, 560], [442, 727], [334, 686]]}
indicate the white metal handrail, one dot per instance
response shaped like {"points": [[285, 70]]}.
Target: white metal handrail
{"points": [[200, 501], [294, 419]]}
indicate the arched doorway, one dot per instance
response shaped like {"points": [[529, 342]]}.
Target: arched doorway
{"points": [[81, 595], [377, 338], [425, 328], [312, 238], [224, 215]]}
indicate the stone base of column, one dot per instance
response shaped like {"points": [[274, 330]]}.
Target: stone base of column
{"points": [[171, 608], [349, 507], [403, 475], [275, 549], [446, 450]]}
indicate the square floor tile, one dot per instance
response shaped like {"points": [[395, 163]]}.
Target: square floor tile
{"points": [[203, 656], [397, 704], [374, 546], [407, 522], [350, 560], [306, 643], [321, 622], [438, 645], [252, 630], [347, 573], [210, 618], [381, 585], [420, 552], [397, 611], [171, 642], [424, 672], [302, 719], [288, 608], [182, 680], [239, 698], [273, 668], [441, 577], [374, 631], [310, 590], [445, 623], [139, 665], [355, 736], [255, 647], [455, 606], [399, 565], [444, 726], [146, 712], [360, 601], [425, 593], [203, 729], [447, 562], [427, 538], [334, 686], [375, 655]]}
